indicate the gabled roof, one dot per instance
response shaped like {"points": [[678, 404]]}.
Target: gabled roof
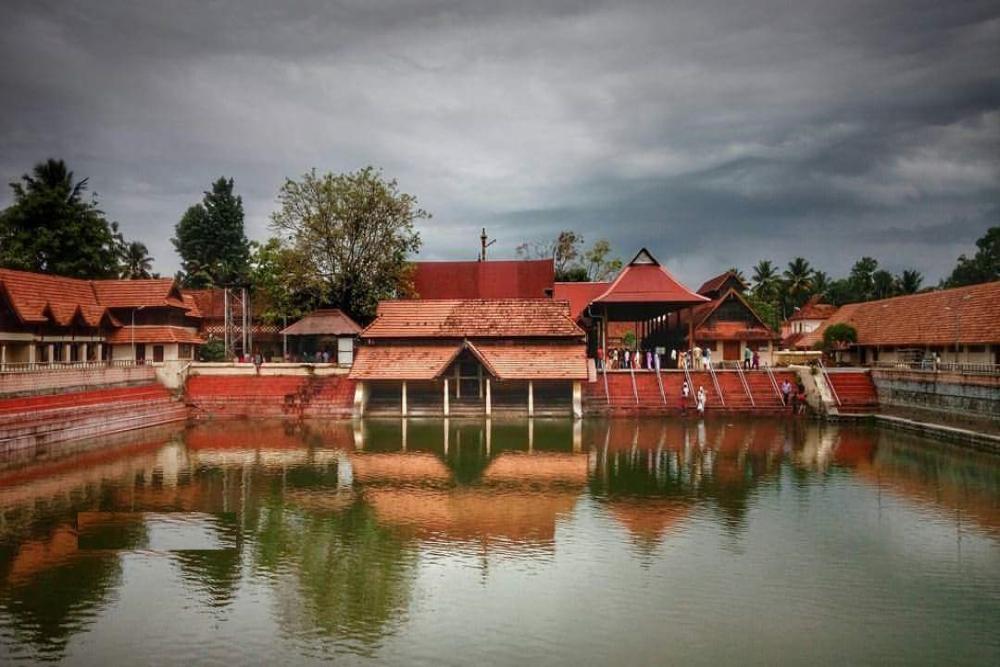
{"points": [[814, 310], [963, 315], [644, 280], [579, 295], [715, 284], [504, 279], [724, 330], [37, 297], [521, 361], [473, 318], [326, 322]]}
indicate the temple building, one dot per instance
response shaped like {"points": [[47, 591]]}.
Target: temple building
{"points": [[47, 319], [960, 325], [806, 319], [495, 279], [728, 325], [471, 356], [213, 302]]}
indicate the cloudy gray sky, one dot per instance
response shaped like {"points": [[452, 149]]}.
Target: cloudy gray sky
{"points": [[715, 133]]}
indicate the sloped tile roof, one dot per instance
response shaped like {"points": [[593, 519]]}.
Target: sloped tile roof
{"points": [[135, 293], [533, 361], [326, 322], [963, 315], [726, 330], [644, 280], [814, 310], [473, 318], [154, 334], [503, 279], [579, 295], [30, 294], [716, 283], [402, 362]]}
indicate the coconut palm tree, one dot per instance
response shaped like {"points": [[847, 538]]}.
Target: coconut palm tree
{"points": [[765, 280], [797, 282], [136, 262], [821, 282]]}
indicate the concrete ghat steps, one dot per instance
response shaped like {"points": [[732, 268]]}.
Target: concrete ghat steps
{"points": [[623, 400], [856, 391], [270, 396]]}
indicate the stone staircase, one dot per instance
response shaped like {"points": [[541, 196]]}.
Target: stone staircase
{"points": [[293, 396], [856, 391]]}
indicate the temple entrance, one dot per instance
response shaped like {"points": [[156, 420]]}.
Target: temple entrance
{"points": [[730, 350]]}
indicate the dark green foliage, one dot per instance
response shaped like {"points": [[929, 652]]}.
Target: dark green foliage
{"points": [[571, 262], [211, 241], [136, 262], [52, 228], [838, 334], [214, 349], [983, 267]]}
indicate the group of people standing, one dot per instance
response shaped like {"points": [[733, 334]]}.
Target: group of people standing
{"points": [[619, 358], [697, 359]]}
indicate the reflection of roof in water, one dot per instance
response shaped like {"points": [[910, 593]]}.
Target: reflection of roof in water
{"points": [[398, 466], [648, 518], [34, 556], [522, 467], [473, 513]]}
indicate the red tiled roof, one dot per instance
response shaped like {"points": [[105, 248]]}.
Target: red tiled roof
{"points": [[402, 362], [135, 293], [579, 295], [31, 293], [505, 279], [328, 322], [154, 334], [533, 361], [192, 305], [963, 315], [643, 280], [473, 318], [726, 330], [716, 283], [814, 310]]}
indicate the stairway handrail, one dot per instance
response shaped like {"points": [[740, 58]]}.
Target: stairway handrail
{"points": [[604, 372], [829, 382], [746, 386], [687, 377], [635, 391], [774, 382], [659, 381], [715, 382]]}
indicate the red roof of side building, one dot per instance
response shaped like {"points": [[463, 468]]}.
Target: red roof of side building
{"points": [[473, 318], [402, 362], [38, 297], [150, 292], [814, 310], [326, 322], [154, 334], [716, 283], [579, 295], [644, 280], [727, 330], [963, 315], [504, 279]]}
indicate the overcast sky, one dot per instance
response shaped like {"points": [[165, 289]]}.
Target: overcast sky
{"points": [[715, 133]]}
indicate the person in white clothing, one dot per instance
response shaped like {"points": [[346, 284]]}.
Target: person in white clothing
{"points": [[701, 400]]}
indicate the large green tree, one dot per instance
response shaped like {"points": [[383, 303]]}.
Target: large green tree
{"points": [[211, 240], [766, 282], [349, 235], [136, 262], [572, 263], [983, 267], [53, 228]]}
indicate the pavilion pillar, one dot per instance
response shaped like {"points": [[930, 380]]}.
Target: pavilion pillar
{"points": [[99, 356], [3, 356], [577, 400], [83, 352], [489, 400], [404, 401], [360, 399], [446, 397], [52, 353], [458, 381], [67, 352], [31, 353], [531, 398]]}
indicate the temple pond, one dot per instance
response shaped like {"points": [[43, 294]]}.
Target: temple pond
{"points": [[545, 542]]}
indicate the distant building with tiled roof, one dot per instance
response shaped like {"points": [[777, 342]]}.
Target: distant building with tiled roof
{"points": [[805, 320], [475, 356], [494, 279], [715, 287], [211, 305], [47, 319], [960, 325]]}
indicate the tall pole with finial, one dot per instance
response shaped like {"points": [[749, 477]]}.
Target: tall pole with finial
{"points": [[483, 241]]}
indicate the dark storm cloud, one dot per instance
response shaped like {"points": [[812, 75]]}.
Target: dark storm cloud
{"points": [[715, 133]]}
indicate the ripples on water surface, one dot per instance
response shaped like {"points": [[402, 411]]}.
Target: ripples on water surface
{"points": [[603, 542]]}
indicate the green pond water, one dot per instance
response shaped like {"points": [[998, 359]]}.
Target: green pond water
{"points": [[550, 542]]}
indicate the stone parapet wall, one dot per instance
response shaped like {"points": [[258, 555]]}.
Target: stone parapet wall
{"points": [[72, 380], [41, 420], [975, 395]]}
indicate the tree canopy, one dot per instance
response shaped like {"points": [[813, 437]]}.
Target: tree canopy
{"points": [[53, 228], [571, 262], [983, 267], [348, 237], [211, 240]]}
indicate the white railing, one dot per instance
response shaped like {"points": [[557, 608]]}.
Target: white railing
{"points": [[929, 366], [829, 383], [774, 383], [715, 382], [746, 385], [56, 366]]}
